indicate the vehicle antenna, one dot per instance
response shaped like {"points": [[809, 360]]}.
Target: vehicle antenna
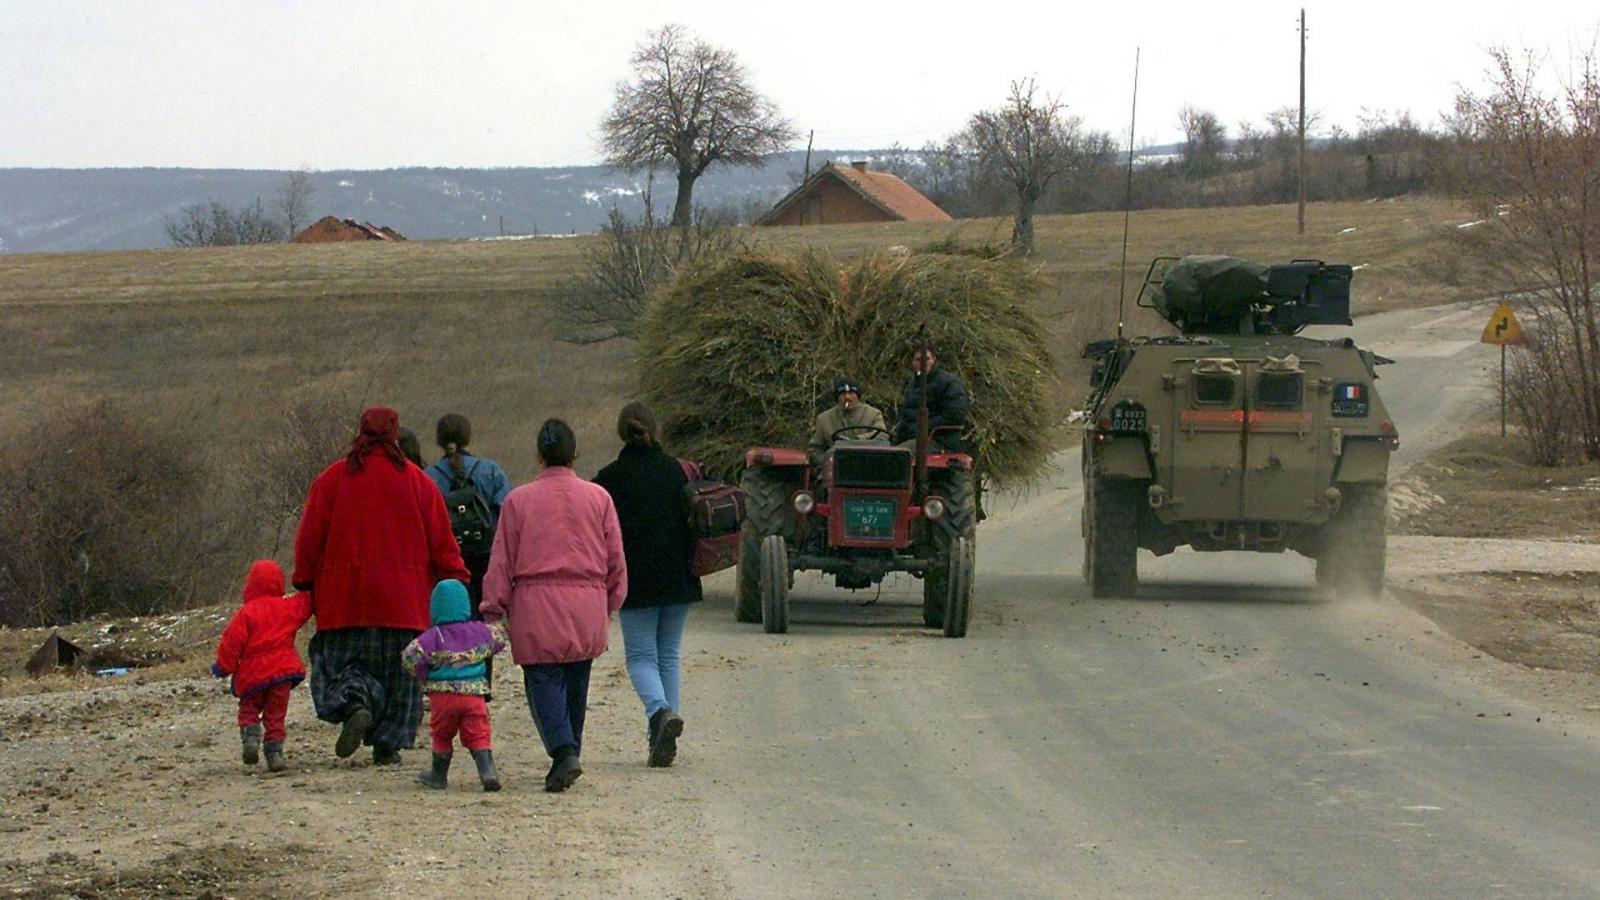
{"points": [[1127, 197]]}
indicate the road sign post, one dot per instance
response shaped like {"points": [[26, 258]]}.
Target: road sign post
{"points": [[1505, 330]]}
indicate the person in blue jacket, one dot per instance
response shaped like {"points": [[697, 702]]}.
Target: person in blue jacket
{"points": [[459, 467]]}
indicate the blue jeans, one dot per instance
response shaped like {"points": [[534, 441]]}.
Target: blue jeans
{"points": [[652, 640]]}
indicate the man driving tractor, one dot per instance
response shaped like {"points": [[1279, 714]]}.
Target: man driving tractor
{"points": [[848, 414]]}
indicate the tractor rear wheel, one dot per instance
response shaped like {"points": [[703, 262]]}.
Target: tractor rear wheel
{"points": [[764, 497], [774, 584]]}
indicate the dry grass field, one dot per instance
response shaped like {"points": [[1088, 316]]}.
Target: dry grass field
{"points": [[223, 338]]}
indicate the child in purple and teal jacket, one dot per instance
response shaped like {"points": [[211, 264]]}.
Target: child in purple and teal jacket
{"points": [[451, 660]]}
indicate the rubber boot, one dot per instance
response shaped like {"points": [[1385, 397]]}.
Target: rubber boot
{"points": [[250, 738], [275, 760], [438, 777], [486, 772]]}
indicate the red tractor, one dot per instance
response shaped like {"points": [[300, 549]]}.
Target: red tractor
{"points": [[869, 508]]}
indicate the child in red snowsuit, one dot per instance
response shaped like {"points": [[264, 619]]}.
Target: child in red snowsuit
{"points": [[257, 649]]}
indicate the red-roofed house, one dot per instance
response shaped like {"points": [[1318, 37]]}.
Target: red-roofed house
{"points": [[838, 195], [330, 229]]}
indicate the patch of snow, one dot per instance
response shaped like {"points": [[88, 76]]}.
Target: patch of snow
{"points": [[346, 183], [523, 237], [1357, 268], [562, 177], [1348, 230], [591, 197], [1472, 224]]}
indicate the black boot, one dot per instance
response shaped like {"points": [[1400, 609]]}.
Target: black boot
{"points": [[353, 732], [384, 756], [665, 726], [438, 777], [486, 772], [564, 771], [250, 739], [275, 760]]}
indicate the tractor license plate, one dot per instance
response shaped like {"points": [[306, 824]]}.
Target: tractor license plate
{"points": [[869, 518]]}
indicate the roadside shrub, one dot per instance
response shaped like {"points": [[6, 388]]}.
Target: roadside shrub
{"points": [[280, 463], [1542, 399], [102, 512], [629, 262]]}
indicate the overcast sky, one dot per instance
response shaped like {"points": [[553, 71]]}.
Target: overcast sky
{"points": [[375, 85]]}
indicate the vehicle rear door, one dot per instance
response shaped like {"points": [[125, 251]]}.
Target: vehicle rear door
{"points": [[1206, 466], [1285, 467]]}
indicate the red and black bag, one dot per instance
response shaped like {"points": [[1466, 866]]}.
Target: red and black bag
{"points": [[716, 512]]}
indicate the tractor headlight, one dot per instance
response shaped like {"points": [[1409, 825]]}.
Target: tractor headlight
{"points": [[933, 508], [804, 503]]}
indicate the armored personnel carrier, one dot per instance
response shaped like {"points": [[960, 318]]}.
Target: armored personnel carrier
{"points": [[1237, 433]]}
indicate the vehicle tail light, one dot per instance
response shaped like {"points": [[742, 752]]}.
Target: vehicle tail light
{"points": [[1390, 435]]}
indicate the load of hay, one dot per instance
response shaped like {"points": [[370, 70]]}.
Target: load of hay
{"points": [[743, 352]]}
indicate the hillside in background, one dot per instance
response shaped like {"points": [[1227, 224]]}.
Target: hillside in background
{"points": [[123, 209]]}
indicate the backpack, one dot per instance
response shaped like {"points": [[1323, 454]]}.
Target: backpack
{"points": [[716, 513], [471, 519]]}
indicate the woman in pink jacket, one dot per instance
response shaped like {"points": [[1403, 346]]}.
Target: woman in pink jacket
{"points": [[556, 574]]}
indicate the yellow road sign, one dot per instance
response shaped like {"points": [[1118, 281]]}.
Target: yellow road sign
{"points": [[1503, 328]]}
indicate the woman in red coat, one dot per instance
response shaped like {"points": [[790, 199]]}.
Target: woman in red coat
{"points": [[373, 541]]}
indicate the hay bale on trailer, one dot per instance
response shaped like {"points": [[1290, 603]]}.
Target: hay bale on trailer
{"points": [[743, 352]]}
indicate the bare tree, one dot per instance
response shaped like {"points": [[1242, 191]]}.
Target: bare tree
{"points": [[214, 224], [1204, 139], [295, 196], [1031, 142], [1531, 167], [692, 103]]}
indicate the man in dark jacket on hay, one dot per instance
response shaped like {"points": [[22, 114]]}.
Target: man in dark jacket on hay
{"points": [[947, 403]]}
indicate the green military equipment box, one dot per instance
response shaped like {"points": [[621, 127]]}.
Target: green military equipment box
{"points": [[1237, 433]]}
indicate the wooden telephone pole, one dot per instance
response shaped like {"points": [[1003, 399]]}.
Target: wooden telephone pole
{"points": [[1301, 214]]}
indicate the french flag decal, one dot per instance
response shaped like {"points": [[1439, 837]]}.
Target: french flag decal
{"points": [[1351, 392]]}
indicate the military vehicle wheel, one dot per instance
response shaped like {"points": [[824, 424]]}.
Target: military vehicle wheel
{"points": [[958, 605], [1111, 537], [1354, 543], [960, 521], [774, 584], [764, 497]]}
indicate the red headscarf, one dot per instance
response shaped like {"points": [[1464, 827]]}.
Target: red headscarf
{"points": [[380, 430]]}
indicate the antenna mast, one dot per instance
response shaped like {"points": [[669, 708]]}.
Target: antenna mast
{"points": [[1127, 198]]}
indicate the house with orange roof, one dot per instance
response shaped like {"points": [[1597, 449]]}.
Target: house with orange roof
{"points": [[840, 195]]}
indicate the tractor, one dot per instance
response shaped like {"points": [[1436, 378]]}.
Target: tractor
{"points": [[867, 509]]}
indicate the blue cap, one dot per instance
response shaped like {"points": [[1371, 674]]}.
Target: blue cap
{"points": [[450, 603]]}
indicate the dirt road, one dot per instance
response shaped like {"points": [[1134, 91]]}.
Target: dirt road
{"points": [[1226, 733]]}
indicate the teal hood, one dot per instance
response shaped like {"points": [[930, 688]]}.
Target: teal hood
{"points": [[450, 603]]}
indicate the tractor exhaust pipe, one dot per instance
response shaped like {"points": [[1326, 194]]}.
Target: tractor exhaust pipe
{"points": [[921, 470]]}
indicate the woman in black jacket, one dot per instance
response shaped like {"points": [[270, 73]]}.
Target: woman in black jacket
{"points": [[646, 485]]}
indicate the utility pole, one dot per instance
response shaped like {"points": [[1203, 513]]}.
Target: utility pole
{"points": [[809, 138], [1301, 214]]}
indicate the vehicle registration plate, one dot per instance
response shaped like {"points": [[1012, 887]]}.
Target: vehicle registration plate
{"points": [[869, 518]]}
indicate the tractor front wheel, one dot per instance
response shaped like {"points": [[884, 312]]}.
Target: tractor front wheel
{"points": [[774, 584], [958, 603]]}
